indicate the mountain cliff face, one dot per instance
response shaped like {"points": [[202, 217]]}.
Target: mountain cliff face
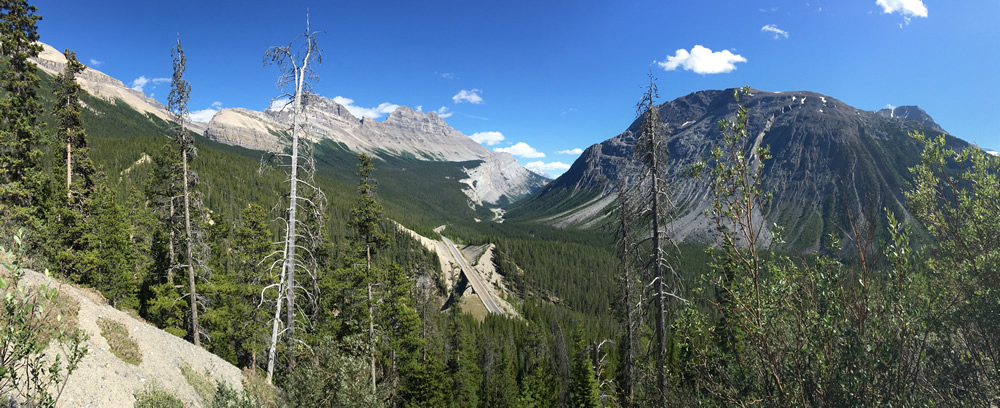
{"points": [[405, 133], [828, 158]]}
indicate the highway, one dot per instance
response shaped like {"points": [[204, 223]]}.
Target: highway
{"points": [[478, 284]]}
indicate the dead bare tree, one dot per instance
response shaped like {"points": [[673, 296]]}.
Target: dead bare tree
{"points": [[293, 60], [629, 307], [655, 206]]}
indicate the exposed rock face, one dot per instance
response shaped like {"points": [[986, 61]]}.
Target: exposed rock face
{"points": [[499, 175], [405, 132], [828, 158], [105, 87]]}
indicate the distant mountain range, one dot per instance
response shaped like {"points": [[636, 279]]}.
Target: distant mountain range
{"points": [[828, 158], [496, 180]]}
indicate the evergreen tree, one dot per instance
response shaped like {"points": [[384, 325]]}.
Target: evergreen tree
{"points": [[180, 94], [462, 365], [108, 259], [21, 140], [585, 393], [67, 110], [365, 224]]}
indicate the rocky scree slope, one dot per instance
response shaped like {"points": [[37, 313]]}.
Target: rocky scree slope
{"points": [[827, 157]]}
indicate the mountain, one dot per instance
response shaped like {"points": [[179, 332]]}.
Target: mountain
{"points": [[494, 179], [828, 157], [405, 133], [105, 87]]}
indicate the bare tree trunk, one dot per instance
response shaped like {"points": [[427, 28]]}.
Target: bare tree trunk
{"points": [[170, 248], [661, 335], [275, 328], [293, 204], [371, 313], [190, 259], [69, 168]]}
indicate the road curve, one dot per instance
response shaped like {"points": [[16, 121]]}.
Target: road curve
{"points": [[478, 285]]}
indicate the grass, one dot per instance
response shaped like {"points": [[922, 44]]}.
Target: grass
{"points": [[121, 344], [62, 315], [155, 397], [266, 395], [202, 384]]}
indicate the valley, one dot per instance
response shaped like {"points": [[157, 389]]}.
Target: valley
{"points": [[706, 246]]}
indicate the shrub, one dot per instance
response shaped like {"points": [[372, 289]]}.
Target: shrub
{"points": [[122, 345]]}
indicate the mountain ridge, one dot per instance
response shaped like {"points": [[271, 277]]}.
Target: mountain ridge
{"points": [[827, 157]]}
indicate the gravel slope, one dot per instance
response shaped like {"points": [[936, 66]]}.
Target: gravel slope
{"points": [[102, 380]]}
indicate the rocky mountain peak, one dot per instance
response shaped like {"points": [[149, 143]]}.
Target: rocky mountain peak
{"points": [[910, 112]]}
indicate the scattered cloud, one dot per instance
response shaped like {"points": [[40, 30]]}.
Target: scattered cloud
{"points": [[419, 108], [568, 110], [217, 105], [139, 83], [540, 166], [448, 75], [571, 151], [95, 63], [771, 28], [382, 109], [489, 138], [908, 8], [443, 112], [702, 60], [772, 9], [471, 96], [475, 117], [521, 149]]}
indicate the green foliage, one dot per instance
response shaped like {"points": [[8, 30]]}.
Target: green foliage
{"points": [[29, 369], [227, 397], [153, 396], [335, 374], [201, 383], [122, 345], [235, 321], [584, 391], [22, 175]]}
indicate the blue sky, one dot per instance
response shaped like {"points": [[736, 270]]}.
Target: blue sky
{"points": [[544, 79]]}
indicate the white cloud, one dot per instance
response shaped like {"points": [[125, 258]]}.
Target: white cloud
{"points": [[540, 166], [139, 82], [279, 104], [468, 96], [571, 151], [95, 63], [203, 115], [521, 149], [771, 28], [443, 112], [217, 105], [702, 60], [448, 75], [362, 112], [490, 138], [419, 108], [157, 81], [908, 8]]}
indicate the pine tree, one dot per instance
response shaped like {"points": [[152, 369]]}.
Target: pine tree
{"points": [[21, 140], [67, 110], [585, 393], [180, 94], [366, 218], [108, 259], [465, 373]]}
